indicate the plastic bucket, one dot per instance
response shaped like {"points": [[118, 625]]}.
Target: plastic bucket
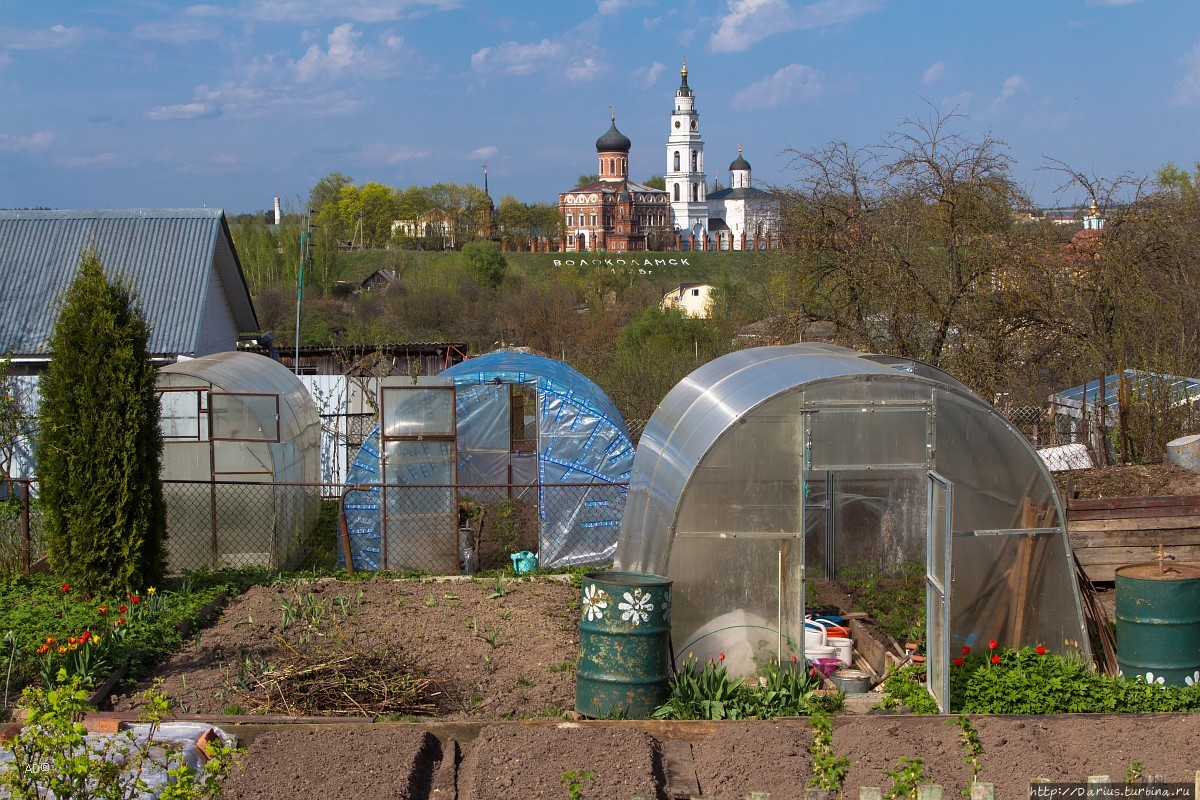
{"points": [[1158, 622], [814, 634], [524, 561], [624, 665], [844, 648]]}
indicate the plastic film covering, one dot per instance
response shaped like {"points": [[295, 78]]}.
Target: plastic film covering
{"points": [[569, 441], [247, 426], [771, 461]]}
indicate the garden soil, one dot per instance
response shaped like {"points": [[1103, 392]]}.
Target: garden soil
{"points": [[484, 656]]}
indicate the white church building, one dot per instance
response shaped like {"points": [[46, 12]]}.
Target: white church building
{"points": [[741, 217]]}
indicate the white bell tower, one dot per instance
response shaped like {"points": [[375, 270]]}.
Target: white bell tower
{"points": [[685, 178]]}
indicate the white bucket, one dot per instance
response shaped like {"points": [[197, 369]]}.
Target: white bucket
{"points": [[819, 651], [814, 634], [843, 647]]}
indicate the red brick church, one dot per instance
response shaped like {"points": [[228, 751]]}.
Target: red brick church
{"points": [[614, 213]]}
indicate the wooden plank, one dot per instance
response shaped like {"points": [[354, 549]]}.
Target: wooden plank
{"points": [[1166, 537], [680, 769], [1134, 555], [1125, 524], [1133, 513], [1135, 502]]}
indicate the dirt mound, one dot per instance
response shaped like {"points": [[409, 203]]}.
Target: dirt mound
{"points": [[1138, 480]]}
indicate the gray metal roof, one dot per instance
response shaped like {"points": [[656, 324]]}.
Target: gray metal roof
{"points": [[178, 261]]}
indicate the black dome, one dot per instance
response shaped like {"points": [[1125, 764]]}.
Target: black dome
{"points": [[739, 163], [614, 141]]}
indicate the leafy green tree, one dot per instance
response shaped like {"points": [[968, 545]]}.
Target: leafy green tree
{"points": [[656, 182], [584, 180], [486, 263], [100, 446]]}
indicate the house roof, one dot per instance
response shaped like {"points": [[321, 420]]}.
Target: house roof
{"points": [[168, 256], [740, 193]]}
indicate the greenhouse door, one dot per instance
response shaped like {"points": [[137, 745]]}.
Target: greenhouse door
{"points": [[937, 590]]}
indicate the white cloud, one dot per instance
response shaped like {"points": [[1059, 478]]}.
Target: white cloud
{"points": [[26, 144], [613, 6], [511, 58], [490, 151], [586, 69], [934, 73], [1187, 90], [750, 21], [183, 32], [308, 11], [793, 82], [1012, 85], [52, 38], [648, 76], [406, 154], [72, 162], [344, 56], [183, 111]]}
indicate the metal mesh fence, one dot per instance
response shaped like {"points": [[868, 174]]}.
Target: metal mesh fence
{"points": [[438, 529], [458, 527]]}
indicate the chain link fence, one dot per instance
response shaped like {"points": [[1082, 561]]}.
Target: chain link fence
{"points": [[276, 526]]}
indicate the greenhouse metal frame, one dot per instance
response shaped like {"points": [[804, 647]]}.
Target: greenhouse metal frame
{"points": [[774, 465]]}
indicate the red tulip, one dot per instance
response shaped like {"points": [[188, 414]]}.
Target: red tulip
{"points": [[966, 650], [720, 656], [122, 608], [1041, 650], [66, 587], [995, 659], [958, 662], [992, 644]]}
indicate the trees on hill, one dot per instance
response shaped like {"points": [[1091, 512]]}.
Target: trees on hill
{"points": [[99, 444]]}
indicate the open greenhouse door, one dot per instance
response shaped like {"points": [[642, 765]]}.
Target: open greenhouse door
{"points": [[937, 590]]}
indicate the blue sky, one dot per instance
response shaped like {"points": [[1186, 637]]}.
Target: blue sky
{"points": [[229, 103]]}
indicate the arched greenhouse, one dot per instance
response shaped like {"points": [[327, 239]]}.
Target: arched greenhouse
{"points": [[236, 426], [776, 464], [507, 429]]}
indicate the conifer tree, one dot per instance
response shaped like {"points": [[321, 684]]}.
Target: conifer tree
{"points": [[99, 445]]}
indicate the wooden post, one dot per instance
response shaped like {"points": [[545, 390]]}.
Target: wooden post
{"points": [[929, 791], [873, 793], [982, 791]]}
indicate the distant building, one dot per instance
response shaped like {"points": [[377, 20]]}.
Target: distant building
{"points": [[618, 214], [614, 213], [693, 299]]}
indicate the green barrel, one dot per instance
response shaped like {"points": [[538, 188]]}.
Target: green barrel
{"points": [[624, 645], [1158, 622]]}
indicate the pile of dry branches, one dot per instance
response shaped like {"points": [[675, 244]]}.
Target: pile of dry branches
{"points": [[328, 683]]}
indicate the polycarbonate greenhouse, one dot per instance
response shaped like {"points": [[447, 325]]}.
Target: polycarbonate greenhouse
{"points": [[776, 464], [506, 425], [236, 426]]}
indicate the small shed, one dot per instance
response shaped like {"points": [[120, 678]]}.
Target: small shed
{"points": [[241, 461], [506, 426], [776, 465]]}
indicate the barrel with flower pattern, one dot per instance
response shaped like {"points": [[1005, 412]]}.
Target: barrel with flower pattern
{"points": [[624, 665]]}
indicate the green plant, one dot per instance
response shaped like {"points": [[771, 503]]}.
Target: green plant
{"points": [[563, 666], [828, 771], [99, 444], [709, 692], [507, 526], [573, 780], [895, 597], [431, 602], [499, 591], [1135, 772], [972, 747], [909, 774], [53, 757]]}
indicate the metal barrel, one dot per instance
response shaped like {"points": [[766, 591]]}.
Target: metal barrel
{"points": [[1158, 622], [624, 663]]}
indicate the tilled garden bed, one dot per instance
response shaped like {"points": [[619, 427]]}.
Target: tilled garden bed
{"points": [[472, 761]]}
